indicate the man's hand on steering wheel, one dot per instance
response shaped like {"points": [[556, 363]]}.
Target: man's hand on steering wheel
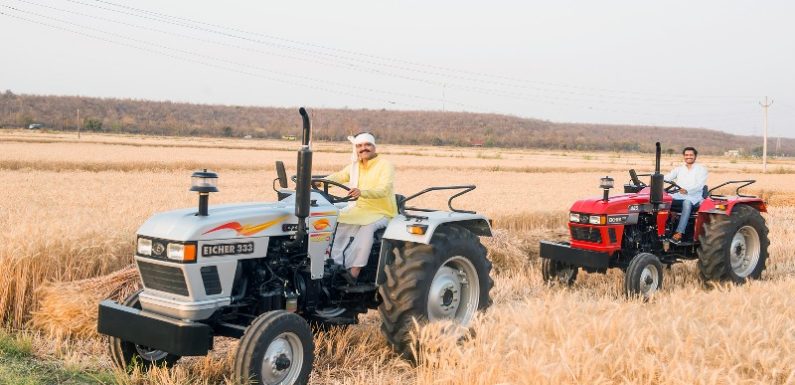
{"points": [[674, 188], [334, 198], [355, 193]]}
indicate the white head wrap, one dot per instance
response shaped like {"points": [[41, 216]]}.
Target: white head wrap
{"points": [[354, 180]]}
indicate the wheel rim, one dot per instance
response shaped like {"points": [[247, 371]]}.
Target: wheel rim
{"points": [[149, 354], [455, 291], [649, 280], [744, 251], [283, 360]]}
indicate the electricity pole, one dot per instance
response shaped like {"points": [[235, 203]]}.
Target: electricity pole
{"points": [[765, 106], [78, 123]]}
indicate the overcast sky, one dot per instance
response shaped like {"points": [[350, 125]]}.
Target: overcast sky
{"points": [[676, 63]]}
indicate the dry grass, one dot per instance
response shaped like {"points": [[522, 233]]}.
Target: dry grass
{"points": [[70, 210]]}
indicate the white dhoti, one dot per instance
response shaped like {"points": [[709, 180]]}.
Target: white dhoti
{"points": [[352, 243]]}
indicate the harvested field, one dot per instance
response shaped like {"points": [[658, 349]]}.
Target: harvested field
{"points": [[70, 210]]}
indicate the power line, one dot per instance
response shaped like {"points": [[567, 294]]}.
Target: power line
{"points": [[389, 62]]}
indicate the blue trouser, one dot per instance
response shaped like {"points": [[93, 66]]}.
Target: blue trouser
{"points": [[687, 207]]}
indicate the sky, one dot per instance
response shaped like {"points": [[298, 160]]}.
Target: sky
{"points": [[702, 64]]}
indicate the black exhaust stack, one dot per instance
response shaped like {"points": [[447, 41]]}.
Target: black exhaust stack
{"points": [[304, 178], [656, 196]]}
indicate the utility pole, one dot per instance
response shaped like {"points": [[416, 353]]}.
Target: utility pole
{"points": [[778, 146], [765, 106], [78, 123], [444, 97]]}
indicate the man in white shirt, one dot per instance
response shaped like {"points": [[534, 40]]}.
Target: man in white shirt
{"points": [[691, 177]]}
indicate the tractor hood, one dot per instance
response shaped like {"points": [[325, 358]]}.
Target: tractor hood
{"points": [[617, 204], [241, 220]]}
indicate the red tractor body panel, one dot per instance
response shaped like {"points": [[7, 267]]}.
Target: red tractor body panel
{"points": [[606, 237]]}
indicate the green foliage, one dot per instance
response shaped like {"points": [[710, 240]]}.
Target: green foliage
{"points": [[18, 345], [92, 124], [227, 131]]}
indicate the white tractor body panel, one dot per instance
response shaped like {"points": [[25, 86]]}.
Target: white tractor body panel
{"points": [[228, 234], [396, 230]]}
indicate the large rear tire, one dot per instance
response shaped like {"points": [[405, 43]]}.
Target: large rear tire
{"points": [[446, 279], [733, 248], [277, 348], [125, 354]]}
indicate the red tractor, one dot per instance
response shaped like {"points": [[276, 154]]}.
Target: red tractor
{"points": [[726, 234]]}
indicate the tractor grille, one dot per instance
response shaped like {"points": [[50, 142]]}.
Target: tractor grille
{"points": [[164, 278], [586, 233]]}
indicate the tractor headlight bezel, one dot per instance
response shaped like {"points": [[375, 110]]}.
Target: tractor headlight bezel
{"points": [[162, 249], [597, 219], [182, 252], [144, 246]]}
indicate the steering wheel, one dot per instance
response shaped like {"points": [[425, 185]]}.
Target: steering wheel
{"points": [[332, 198], [634, 177], [673, 188]]}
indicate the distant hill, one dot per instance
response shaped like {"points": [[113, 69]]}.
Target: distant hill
{"points": [[400, 127]]}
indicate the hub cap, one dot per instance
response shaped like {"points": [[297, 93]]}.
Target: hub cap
{"points": [[744, 252], [649, 280], [455, 291], [283, 360]]}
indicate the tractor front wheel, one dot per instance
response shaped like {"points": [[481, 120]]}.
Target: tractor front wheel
{"points": [[447, 279], [125, 354], [558, 273], [277, 348], [644, 276], [733, 247]]}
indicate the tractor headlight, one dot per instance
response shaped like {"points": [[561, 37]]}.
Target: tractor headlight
{"points": [[181, 252], [574, 217], [144, 246], [597, 219]]}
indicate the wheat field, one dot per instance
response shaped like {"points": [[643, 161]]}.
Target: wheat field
{"points": [[70, 209]]}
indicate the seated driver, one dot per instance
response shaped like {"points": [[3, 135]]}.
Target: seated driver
{"points": [[370, 178], [692, 178]]}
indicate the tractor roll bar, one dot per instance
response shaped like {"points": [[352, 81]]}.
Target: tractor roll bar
{"points": [[737, 190], [465, 188]]}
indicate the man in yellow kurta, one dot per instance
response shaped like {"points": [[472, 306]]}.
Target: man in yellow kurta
{"points": [[370, 178]]}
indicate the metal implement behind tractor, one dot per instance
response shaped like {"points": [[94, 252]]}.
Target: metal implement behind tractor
{"points": [[726, 234], [261, 272]]}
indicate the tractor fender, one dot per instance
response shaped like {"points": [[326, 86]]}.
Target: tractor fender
{"points": [[397, 229], [710, 206]]}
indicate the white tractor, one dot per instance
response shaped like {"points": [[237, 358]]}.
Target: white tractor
{"points": [[261, 272]]}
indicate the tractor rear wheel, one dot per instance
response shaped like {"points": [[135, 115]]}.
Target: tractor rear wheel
{"points": [[277, 348], [558, 273], [446, 279], [644, 276], [734, 247], [126, 354]]}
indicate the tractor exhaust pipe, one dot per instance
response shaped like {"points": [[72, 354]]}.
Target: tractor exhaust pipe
{"points": [[303, 177], [656, 195]]}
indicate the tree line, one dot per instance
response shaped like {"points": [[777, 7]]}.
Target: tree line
{"points": [[390, 126]]}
